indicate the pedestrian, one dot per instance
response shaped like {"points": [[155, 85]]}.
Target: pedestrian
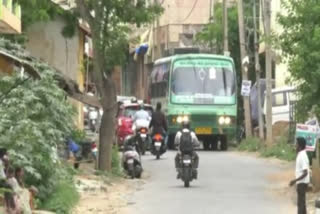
{"points": [[3, 163], [302, 174], [11, 198], [23, 193], [75, 150]]}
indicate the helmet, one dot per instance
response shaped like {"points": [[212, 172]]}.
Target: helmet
{"points": [[186, 124], [141, 106]]}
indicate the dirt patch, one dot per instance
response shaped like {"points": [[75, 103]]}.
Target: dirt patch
{"points": [[280, 189], [104, 195]]}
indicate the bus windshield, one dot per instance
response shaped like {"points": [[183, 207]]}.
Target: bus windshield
{"points": [[203, 81]]}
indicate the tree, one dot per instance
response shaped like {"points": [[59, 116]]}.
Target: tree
{"points": [[110, 22], [300, 45], [34, 119]]}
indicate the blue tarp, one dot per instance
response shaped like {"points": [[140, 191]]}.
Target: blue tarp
{"points": [[142, 49]]}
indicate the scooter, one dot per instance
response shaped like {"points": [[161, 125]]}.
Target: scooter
{"points": [[158, 146], [131, 161]]}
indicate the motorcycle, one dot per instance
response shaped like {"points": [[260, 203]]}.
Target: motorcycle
{"points": [[131, 161], [158, 145], [188, 173], [142, 135]]}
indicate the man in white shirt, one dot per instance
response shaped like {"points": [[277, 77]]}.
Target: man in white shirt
{"points": [[141, 118], [302, 174]]}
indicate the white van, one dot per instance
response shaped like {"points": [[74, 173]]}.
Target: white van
{"points": [[283, 100]]}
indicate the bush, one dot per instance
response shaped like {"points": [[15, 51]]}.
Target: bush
{"points": [[281, 149], [35, 118], [251, 144], [116, 162], [79, 136], [63, 199]]}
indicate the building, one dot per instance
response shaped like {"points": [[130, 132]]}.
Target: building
{"points": [[10, 23], [10, 17], [46, 42]]}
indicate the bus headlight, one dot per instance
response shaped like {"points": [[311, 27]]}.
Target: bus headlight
{"points": [[224, 120], [181, 119], [221, 120], [227, 120]]}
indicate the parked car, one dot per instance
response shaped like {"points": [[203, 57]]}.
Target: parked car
{"points": [[283, 101], [124, 119]]}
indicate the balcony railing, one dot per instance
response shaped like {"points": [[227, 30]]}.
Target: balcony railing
{"points": [[10, 17]]}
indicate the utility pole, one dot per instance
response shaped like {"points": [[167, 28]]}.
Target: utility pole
{"points": [[267, 19], [258, 71], [225, 28], [244, 69]]}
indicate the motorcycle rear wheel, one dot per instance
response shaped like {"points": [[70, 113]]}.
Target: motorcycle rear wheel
{"points": [[187, 184], [133, 173]]}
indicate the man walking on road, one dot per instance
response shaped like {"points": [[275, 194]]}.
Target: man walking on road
{"points": [[302, 174]]}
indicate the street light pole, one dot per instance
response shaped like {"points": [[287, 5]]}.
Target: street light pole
{"points": [[267, 19], [246, 103], [258, 71], [225, 28]]}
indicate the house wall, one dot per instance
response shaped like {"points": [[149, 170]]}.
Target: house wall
{"points": [[6, 67], [65, 54]]}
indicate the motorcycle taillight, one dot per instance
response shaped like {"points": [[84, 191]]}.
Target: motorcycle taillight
{"points": [[158, 137], [143, 130]]}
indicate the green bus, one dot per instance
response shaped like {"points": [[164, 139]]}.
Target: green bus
{"points": [[200, 88]]}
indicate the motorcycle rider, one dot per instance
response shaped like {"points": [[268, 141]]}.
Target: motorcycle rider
{"points": [[141, 119], [158, 121], [195, 143]]}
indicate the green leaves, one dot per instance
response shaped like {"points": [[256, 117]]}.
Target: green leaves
{"points": [[34, 119], [300, 43]]}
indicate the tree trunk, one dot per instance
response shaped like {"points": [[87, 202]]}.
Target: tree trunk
{"points": [[107, 128]]}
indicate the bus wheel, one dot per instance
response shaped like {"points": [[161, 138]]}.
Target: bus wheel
{"points": [[224, 143], [171, 141], [206, 145], [214, 145]]}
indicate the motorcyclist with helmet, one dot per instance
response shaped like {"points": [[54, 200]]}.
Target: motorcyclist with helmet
{"points": [[186, 141]]}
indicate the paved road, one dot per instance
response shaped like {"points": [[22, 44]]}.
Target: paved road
{"points": [[228, 183]]}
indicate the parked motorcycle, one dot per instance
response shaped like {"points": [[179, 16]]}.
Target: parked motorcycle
{"points": [[131, 161], [158, 146], [188, 173], [142, 137]]}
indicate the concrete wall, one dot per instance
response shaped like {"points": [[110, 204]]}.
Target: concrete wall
{"points": [[47, 43]]}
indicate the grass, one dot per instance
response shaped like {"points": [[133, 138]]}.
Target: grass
{"points": [[280, 149], [250, 144], [63, 199]]}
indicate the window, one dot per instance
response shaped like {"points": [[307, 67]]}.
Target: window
{"points": [[159, 80], [159, 89], [279, 99]]}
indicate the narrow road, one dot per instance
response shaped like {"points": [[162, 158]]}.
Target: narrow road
{"points": [[228, 183]]}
